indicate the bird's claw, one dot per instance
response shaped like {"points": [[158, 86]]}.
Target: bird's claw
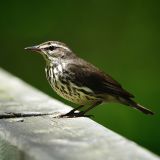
{"points": [[74, 115]]}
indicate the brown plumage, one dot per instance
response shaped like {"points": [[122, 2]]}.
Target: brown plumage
{"points": [[79, 81]]}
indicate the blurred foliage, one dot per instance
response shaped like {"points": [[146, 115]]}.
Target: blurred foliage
{"points": [[120, 37]]}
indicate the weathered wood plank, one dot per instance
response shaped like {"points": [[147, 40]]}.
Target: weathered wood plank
{"points": [[51, 138]]}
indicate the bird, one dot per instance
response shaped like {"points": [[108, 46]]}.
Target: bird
{"points": [[80, 82]]}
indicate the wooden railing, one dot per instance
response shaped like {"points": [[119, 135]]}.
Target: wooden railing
{"points": [[49, 138]]}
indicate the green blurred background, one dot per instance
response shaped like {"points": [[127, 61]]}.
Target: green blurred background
{"points": [[120, 37]]}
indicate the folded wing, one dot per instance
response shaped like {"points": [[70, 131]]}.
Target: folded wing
{"points": [[87, 75]]}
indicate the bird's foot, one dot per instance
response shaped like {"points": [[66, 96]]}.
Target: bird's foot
{"points": [[74, 115]]}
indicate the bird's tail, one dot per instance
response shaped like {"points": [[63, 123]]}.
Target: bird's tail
{"points": [[130, 102]]}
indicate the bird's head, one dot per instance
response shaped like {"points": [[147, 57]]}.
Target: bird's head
{"points": [[52, 50]]}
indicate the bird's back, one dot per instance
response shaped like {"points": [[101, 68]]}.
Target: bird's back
{"points": [[86, 74]]}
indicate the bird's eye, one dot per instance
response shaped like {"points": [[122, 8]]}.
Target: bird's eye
{"points": [[51, 48]]}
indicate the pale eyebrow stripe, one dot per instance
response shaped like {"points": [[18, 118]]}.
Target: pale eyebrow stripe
{"points": [[58, 45]]}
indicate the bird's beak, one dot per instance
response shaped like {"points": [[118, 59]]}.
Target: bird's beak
{"points": [[33, 48]]}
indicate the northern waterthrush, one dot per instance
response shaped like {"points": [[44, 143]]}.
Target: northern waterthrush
{"points": [[79, 81]]}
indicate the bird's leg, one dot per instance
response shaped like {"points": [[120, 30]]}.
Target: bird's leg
{"points": [[72, 112], [82, 113]]}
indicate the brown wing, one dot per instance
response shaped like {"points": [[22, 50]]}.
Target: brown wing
{"points": [[86, 75]]}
